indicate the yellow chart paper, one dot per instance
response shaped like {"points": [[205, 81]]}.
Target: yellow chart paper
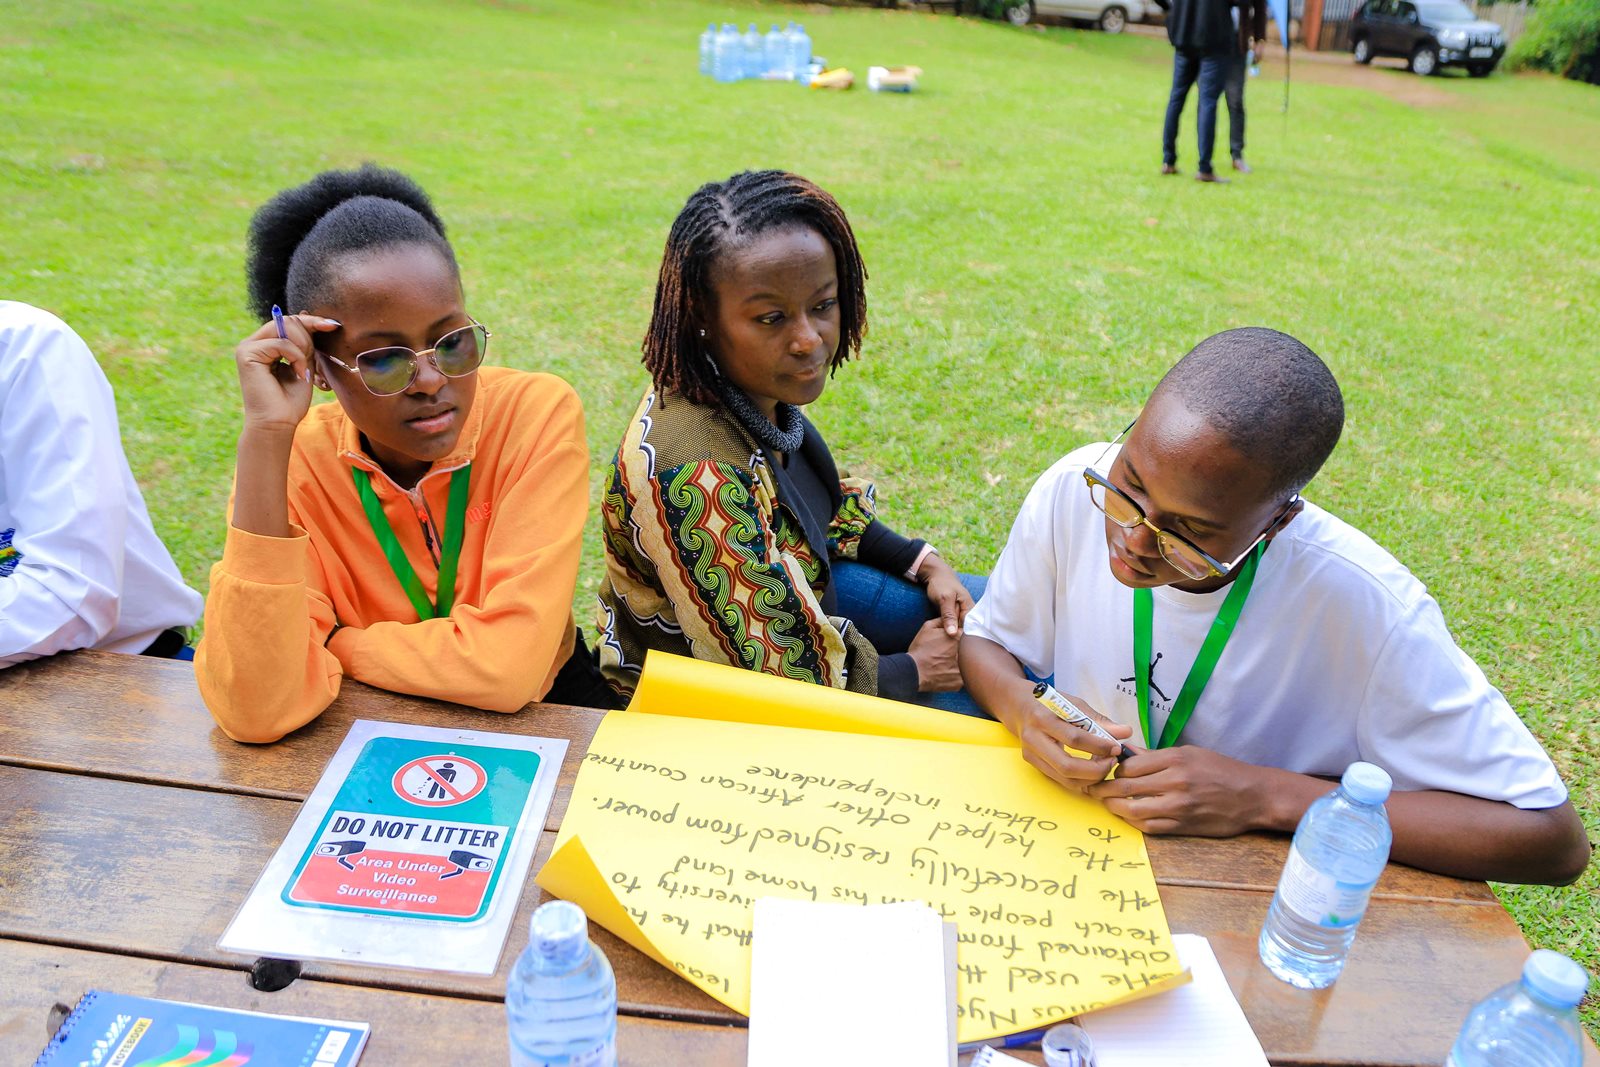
{"points": [[677, 824]]}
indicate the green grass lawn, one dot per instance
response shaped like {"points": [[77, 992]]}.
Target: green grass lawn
{"points": [[1031, 274]]}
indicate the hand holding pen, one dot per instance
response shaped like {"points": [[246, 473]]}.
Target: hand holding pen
{"points": [[274, 365], [1069, 712], [1065, 742]]}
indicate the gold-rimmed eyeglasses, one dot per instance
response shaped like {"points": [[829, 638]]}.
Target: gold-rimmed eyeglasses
{"points": [[391, 370], [1189, 559]]}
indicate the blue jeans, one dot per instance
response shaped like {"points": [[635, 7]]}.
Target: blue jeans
{"points": [[1233, 73], [888, 610], [1187, 67]]}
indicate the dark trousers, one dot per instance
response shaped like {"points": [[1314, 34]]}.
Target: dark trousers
{"points": [[1187, 68], [1233, 72]]}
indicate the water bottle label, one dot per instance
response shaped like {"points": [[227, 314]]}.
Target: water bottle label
{"points": [[602, 1055], [1321, 898]]}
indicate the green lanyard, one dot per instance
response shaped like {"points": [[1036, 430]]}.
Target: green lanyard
{"points": [[1204, 663], [449, 553]]}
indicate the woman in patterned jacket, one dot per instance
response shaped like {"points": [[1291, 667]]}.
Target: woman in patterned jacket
{"points": [[729, 533]]}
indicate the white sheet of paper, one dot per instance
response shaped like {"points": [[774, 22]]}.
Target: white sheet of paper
{"points": [[1199, 1024], [847, 985]]}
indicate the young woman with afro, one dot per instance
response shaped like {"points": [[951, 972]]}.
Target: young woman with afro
{"points": [[421, 534]]}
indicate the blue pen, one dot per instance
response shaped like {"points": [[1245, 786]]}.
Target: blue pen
{"points": [[277, 319], [1022, 1040]]}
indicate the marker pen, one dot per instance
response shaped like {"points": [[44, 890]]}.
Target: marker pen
{"points": [[1025, 1039], [1069, 712]]}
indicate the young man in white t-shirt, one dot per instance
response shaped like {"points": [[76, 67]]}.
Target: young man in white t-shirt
{"points": [[1336, 653]]}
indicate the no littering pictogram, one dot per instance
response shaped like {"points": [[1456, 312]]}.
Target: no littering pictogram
{"points": [[439, 781]]}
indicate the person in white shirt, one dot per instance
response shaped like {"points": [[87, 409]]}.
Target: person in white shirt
{"points": [[1130, 570], [80, 565]]}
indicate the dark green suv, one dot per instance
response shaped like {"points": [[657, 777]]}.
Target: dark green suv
{"points": [[1430, 34]]}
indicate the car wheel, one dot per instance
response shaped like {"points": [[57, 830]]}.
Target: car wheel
{"points": [[1113, 20], [1425, 60], [1020, 14], [1480, 70], [1362, 50]]}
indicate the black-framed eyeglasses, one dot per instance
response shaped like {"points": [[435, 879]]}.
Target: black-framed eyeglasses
{"points": [[1189, 559], [391, 370]]}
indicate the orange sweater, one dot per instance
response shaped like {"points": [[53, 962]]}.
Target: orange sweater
{"points": [[267, 665]]}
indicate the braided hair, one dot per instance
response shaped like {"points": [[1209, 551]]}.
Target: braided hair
{"points": [[722, 216], [297, 235]]}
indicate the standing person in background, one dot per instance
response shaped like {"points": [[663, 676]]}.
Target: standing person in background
{"points": [[1202, 38], [80, 564], [1249, 32]]}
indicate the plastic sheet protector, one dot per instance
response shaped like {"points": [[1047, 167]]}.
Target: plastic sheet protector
{"points": [[718, 786], [412, 851]]}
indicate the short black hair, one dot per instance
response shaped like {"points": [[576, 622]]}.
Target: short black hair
{"points": [[296, 236], [1269, 394], [724, 215]]}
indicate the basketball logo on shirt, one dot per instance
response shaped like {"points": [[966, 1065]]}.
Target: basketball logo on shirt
{"points": [[1126, 684], [9, 556], [1150, 678]]}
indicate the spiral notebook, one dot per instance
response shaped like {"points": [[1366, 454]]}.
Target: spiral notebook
{"points": [[117, 1030]]}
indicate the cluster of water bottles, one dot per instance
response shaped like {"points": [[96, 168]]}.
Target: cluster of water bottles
{"points": [[778, 55], [561, 999]]}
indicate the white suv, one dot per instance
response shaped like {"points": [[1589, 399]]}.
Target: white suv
{"points": [[1110, 15]]}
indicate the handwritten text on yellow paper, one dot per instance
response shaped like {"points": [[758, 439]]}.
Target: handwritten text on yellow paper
{"points": [[682, 823]]}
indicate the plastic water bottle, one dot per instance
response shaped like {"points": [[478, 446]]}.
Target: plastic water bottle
{"points": [[800, 53], [775, 51], [561, 998], [752, 61], [708, 45], [772, 51], [788, 51], [726, 61], [1339, 851], [1529, 1023]]}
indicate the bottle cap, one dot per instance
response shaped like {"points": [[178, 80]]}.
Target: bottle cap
{"points": [[1367, 783], [1555, 979], [558, 929], [1067, 1045]]}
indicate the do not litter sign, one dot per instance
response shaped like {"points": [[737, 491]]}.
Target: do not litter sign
{"points": [[439, 781]]}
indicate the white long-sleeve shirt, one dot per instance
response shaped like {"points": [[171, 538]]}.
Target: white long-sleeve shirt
{"points": [[80, 564]]}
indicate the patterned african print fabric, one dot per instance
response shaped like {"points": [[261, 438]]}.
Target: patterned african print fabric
{"points": [[704, 560]]}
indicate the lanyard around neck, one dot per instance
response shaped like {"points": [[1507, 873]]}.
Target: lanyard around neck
{"points": [[449, 553], [1204, 663]]}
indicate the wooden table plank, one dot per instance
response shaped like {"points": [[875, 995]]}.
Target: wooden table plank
{"points": [[77, 869], [407, 1029], [73, 874], [142, 719]]}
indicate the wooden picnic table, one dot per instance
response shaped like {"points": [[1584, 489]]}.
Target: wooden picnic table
{"points": [[134, 829]]}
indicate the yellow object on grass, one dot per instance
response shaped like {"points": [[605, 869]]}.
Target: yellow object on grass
{"points": [[833, 78], [706, 794]]}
